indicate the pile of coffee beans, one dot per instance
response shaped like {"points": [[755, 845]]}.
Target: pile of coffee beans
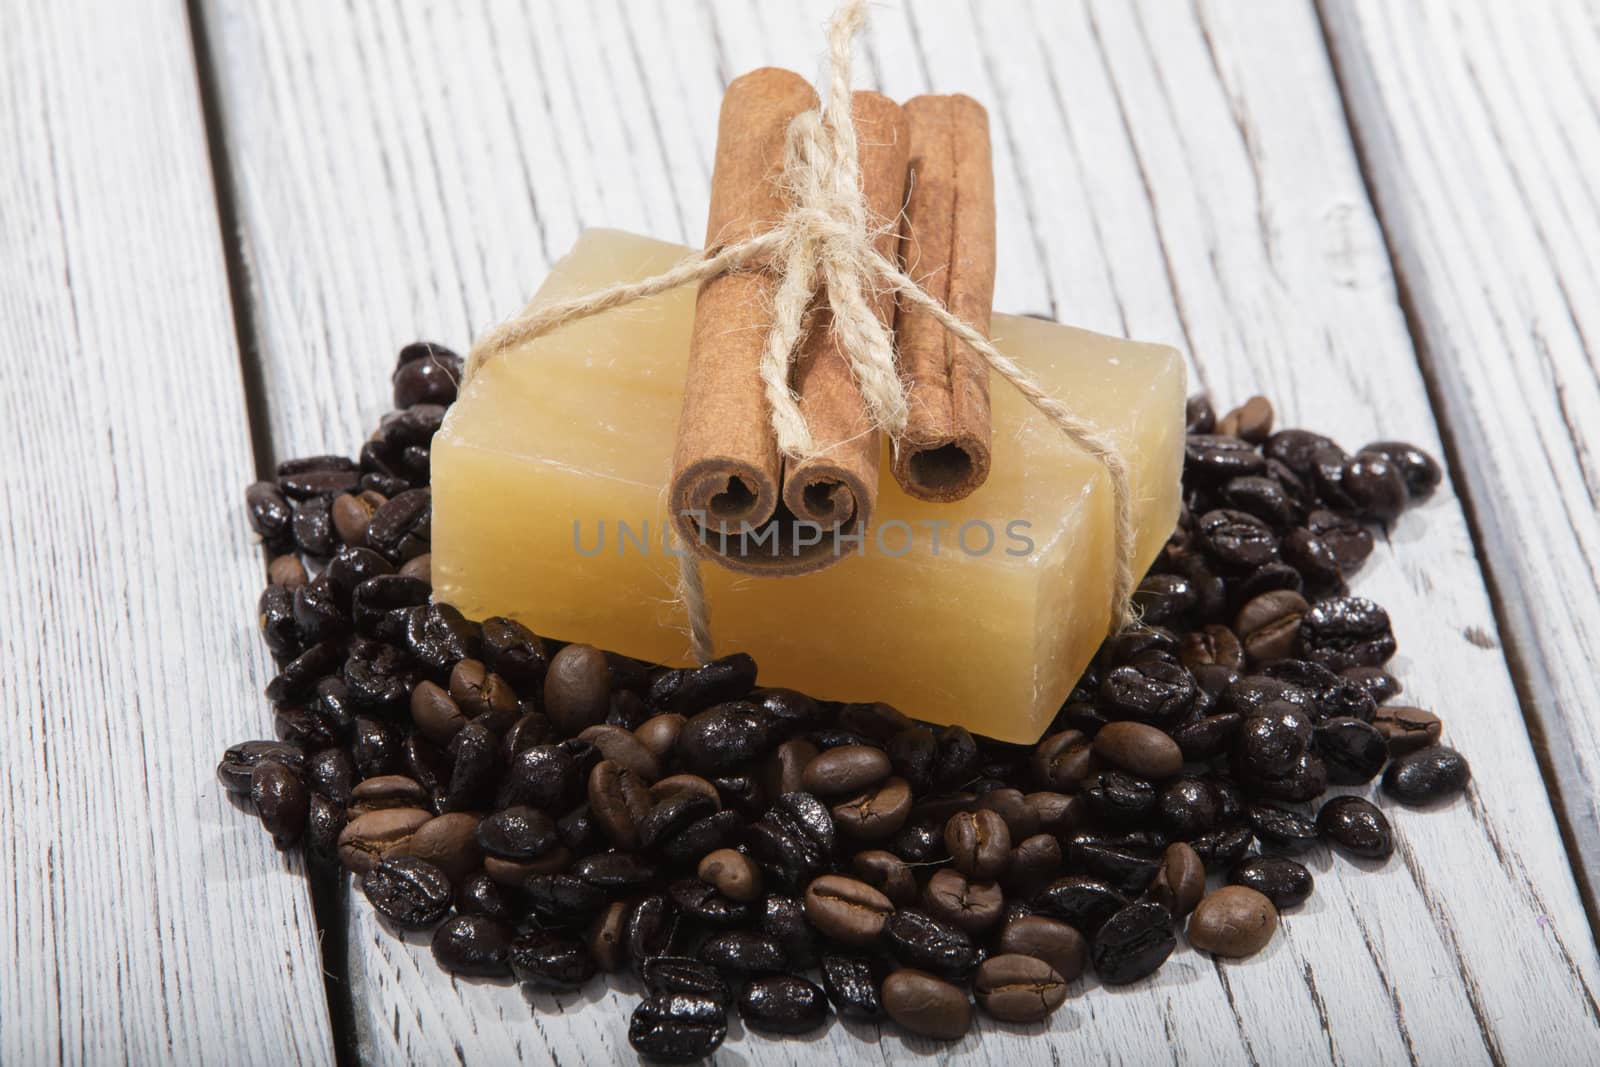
{"points": [[553, 810]]}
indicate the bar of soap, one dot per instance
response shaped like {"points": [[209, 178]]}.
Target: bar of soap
{"points": [[549, 497]]}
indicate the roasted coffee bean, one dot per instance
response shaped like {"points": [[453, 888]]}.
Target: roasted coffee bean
{"points": [[1306, 780], [927, 1005], [1214, 645], [1180, 880], [1058, 813], [1121, 800], [784, 919], [550, 961], [387, 791], [1165, 599], [955, 758], [783, 1004], [671, 815], [543, 777], [435, 713], [1278, 878], [269, 514], [1209, 736], [448, 841], [840, 772], [743, 953], [480, 895], [238, 761], [1269, 744], [532, 728], [1035, 860], [852, 984], [1128, 871], [788, 713], [577, 689], [734, 874], [917, 939], [659, 734], [1189, 807], [1017, 988], [703, 902], [1221, 849], [876, 814], [1353, 751], [475, 946], [402, 527], [1234, 921], [1132, 943], [1427, 775], [299, 676], [351, 513], [722, 829], [275, 617], [1346, 631], [1379, 683], [1139, 749], [911, 754], [375, 748], [513, 874], [382, 605], [1236, 540], [439, 637], [649, 927], [876, 721], [1407, 729], [1273, 577], [783, 770], [622, 748], [318, 615], [970, 906], [517, 833], [691, 689], [1420, 471], [979, 843], [1376, 486], [618, 802], [563, 899], [668, 975], [1282, 829], [1215, 458], [474, 767], [607, 937], [846, 910], [1347, 539], [369, 839], [1355, 826], [1063, 760], [409, 892], [1151, 691], [281, 800], [426, 373], [1263, 497], [325, 821], [678, 1027], [1269, 625], [887, 873], [741, 792], [1051, 940], [331, 773], [481, 692], [1251, 421], [1199, 416], [514, 652], [378, 676], [1079, 900], [722, 738], [312, 526]]}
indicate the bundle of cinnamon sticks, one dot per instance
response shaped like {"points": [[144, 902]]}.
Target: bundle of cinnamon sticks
{"points": [[927, 180]]}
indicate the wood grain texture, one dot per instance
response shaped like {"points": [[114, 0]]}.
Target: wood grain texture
{"points": [[136, 897], [1481, 131], [1172, 174]]}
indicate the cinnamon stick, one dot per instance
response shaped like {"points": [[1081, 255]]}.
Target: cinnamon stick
{"points": [[948, 247], [726, 467], [838, 486]]}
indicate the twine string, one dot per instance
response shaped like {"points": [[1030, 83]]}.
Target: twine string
{"points": [[823, 242]]}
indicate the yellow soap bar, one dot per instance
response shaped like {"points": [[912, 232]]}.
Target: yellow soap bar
{"points": [[549, 497]]}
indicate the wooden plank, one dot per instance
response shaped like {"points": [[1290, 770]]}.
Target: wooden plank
{"points": [[141, 918], [1481, 133], [1176, 175]]}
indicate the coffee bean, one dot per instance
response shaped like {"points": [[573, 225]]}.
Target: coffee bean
{"points": [[648, 931], [744, 953], [1270, 743], [1132, 943], [426, 373], [1209, 736], [1234, 921], [1346, 631], [1347, 539], [669, 975], [287, 571], [1236, 540], [1121, 800], [783, 771], [851, 984], [734, 874], [783, 1004], [1221, 849], [887, 873], [1420, 471], [783, 919], [517, 833], [1282, 829], [411, 893], [239, 761], [1314, 558], [281, 800], [1139, 749], [577, 689], [1079, 900], [1051, 940], [387, 791], [1063, 760], [1427, 775], [659, 734], [621, 747], [846, 910], [927, 1005], [1357, 827], [351, 513], [449, 841], [1017, 988], [1058, 813], [269, 514], [1269, 625], [618, 801], [331, 773], [474, 946], [402, 527], [1035, 860], [842, 771], [1215, 458], [1214, 645], [381, 605], [979, 843], [1278, 878], [1407, 729], [435, 713], [970, 906], [1353, 751], [1189, 807], [1199, 416], [1376, 486], [439, 637], [325, 820], [691, 689], [1165, 599], [688, 783], [722, 738], [876, 814], [1180, 879], [543, 777], [513, 874], [701, 901], [919, 940], [678, 1027]]}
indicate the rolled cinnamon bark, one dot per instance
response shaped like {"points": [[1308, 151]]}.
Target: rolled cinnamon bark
{"points": [[838, 485], [726, 467], [948, 247]]}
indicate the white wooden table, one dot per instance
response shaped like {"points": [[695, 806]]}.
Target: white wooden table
{"points": [[219, 221]]}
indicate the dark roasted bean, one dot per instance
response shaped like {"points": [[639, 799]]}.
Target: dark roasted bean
{"points": [[1269, 624], [667, 975], [1180, 880], [1282, 829], [1189, 807], [426, 373], [618, 802], [1209, 736], [1420, 471], [887, 873], [919, 940], [1280, 879], [743, 953], [677, 1027], [275, 617], [312, 526], [783, 1004], [1079, 900], [1152, 691], [1376, 486], [1353, 751], [238, 761], [550, 961], [840, 772], [852, 984], [543, 776], [439, 637], [1270, 743], [703, 902], [691, 689], [722, 829], [1357, 827], [1132, 943], [1165, 599], [382, 605], [1427, 775], [269, 514], [1236, 540], [473, 945], [1346, 631], [1121, 800], [402, 527], [648, 931], [1063, 761], [281, 800], [784, 919], [1379, 683], [409, 892], [1221, 849], [517, 833], [722, 738], [1215, 458], [1130, 872]]}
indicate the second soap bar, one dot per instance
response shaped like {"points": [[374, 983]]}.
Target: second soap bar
{"points": [[549, 496]]}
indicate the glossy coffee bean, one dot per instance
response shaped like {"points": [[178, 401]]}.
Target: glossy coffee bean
{"points": [[979, 843], [1215, 458], [691, 689], [1348, 540], [269, 514], [677, 1027], [668, 975], [411, 893], [1132, 943], [1051, 940], [1269, 625], [1017, 988], [918, 940], [1189, 807], [543, 776], [1278, 878], [926, 1004], [852, 985], [744, 953], [426, 373], [1152, 691], [1353, 751], [703, 902], [783, 1004], [1270, 743], [1221, 849], [1079, 900], [1282, 829], [1234, 921], [1354, 825], [1063, 760], [1346, 631], [402, 528], [618, 801], [474, 946], [1376, 486], [722, 738], [1420, 471], [1427, 775], [281, 800]]}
